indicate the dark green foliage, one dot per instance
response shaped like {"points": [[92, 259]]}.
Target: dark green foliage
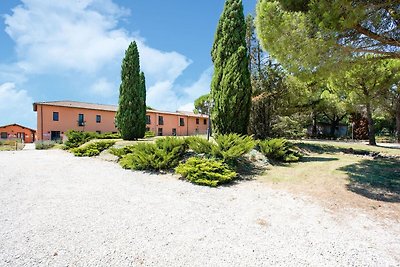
{"points": [[164, 154], [202, 104], [42, 145], [232, 146], [131, 114], [279, 149], [200, 145], [230, 86], [120, 152], [76, 138], [209, 172], [92, 149]]}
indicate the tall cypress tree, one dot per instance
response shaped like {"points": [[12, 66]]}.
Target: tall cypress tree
{"points": [[230, 85], [131, 114]]}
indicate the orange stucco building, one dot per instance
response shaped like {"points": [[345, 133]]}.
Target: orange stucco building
{"points": [[55, 118], [16, 131]]}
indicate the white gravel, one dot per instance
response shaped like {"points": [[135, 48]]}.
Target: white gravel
{"points": [[58, 210]]}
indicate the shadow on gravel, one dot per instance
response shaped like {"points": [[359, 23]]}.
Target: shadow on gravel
{"points": [[377, 179]]}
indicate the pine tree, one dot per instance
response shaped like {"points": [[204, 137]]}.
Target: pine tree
{"points": [[230, 86], [131, 114]]}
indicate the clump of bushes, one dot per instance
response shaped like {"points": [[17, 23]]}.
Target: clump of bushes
{"points": [[42, 145], [203, 171], [230, 147], [279, 149], [200, 145], [76, 138], [92, 149], [212, 165], [149, 134], [164, 154]]}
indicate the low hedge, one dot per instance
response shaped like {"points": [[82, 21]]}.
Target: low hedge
{"points": [[203, 171], [92, 149], [279, 149]]}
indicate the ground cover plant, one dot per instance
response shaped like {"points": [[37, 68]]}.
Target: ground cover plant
{"points": [[77, 138], [203, 171], [92, 149], [163, 154], [279, 149]]}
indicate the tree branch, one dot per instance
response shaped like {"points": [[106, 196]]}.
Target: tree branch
{"points": [[380, 38]]}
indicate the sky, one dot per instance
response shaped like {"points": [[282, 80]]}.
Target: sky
{"points": [[73, 49]]}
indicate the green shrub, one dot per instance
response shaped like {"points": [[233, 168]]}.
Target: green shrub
{"points": [[76, 138], [202, 171], [200, 145], [149, 134], [230, 147], [279, 149], [92, 149], [164, 154], [120, 152], [42, 145], [107, 136]]}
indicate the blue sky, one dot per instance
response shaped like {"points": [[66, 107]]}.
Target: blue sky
{"points": [[72, 50]]}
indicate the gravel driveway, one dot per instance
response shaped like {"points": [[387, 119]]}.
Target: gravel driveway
{"points": [[58, 210]]}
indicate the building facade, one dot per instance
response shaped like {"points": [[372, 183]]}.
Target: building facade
{"points": [[55, 118], [16, 131]]}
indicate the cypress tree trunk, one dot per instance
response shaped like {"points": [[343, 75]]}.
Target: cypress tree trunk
{"points": [[131, 114], [230, 86], [371, 127]]}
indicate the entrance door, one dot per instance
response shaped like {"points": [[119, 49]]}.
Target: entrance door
{"points": [[173, 131], [21, 136], [55, 135]]}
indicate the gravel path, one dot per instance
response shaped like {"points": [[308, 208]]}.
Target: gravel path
{"points": [[58, 210]]}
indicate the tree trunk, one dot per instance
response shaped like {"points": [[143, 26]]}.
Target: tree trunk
{"points": [[314, 125], [334, 124], [398, 119], [371, 127]]}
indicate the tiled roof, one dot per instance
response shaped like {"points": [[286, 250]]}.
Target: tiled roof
{"points": [[76, 104], [15, 124]]}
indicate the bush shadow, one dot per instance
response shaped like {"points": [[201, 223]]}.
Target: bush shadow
{"points": [[316, 159], [377, 179]]}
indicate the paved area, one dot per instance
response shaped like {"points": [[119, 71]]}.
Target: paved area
{"points": [[58, 210]]}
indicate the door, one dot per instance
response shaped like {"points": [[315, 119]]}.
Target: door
{"points": [[55, 135], [173, 131]]}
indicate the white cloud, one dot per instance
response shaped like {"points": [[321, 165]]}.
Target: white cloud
{"points": [[15, 106], [164, 95], [104, 88], [82, 35]]}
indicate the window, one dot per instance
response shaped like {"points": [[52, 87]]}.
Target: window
{"points": [[3, 135], [98, 118], [181, 122], [148, 119], [173, 131], [55, 135], [81, 120], [55, 116], [160, 120], [205, 121], [98, 132], [160, 132], [197, 121]]}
